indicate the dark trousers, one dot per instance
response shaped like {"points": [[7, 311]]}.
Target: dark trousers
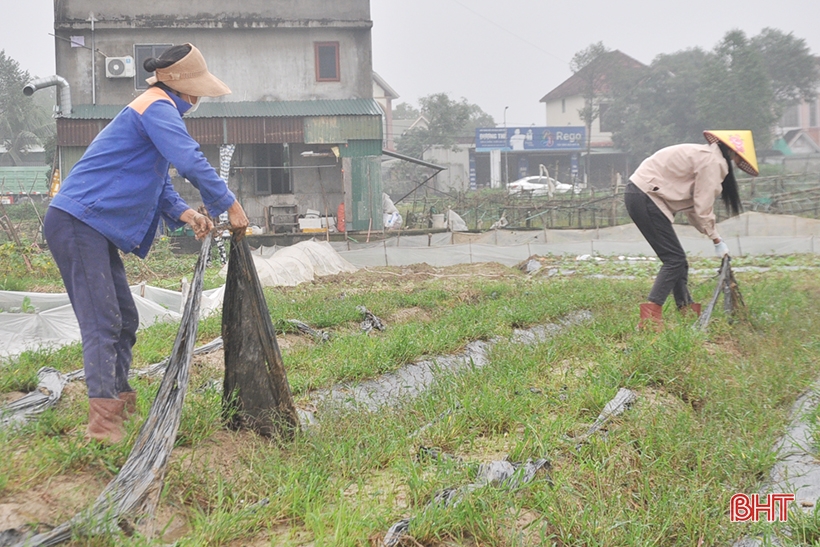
{"points": [[659, 233], [95, 280]]}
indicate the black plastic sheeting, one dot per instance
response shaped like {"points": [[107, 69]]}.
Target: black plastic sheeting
{"points": [[256, 392]]}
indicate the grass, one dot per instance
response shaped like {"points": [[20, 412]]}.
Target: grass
{"points": [[710, 407]]}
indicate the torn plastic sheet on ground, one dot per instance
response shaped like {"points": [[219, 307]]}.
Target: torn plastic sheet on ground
{"points": [[51, 322], [135, 491], [49, 390], [622, 401], [414, 378], [499, 473], [503, 473], [51, 383], [370, 321]]}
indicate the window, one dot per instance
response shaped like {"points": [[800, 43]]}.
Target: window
{"points": [[271, 169], [791, 116], [141, 53], [327, 61], [813, 114], [563, 106]]}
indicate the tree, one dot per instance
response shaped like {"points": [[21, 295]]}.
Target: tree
{"points": [[587, 66], [23, 122], [736, 92], [792, 69], [740, 84], [658, 108], [405, 111], [447, 121]]}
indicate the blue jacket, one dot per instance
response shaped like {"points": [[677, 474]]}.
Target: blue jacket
{"points": [[121, 186]]}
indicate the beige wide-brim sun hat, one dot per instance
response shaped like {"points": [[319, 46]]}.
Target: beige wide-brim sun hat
{"points": [[190, 75], [741, 142]]}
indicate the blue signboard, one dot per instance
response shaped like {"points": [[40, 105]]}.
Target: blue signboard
{"points": [[530, 138]]}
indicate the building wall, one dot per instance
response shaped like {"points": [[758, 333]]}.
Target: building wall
{"points": [[386, 103], [805, 116], [457, 175], [568, 115], [263, 52], [317, 183], [227, 13]]}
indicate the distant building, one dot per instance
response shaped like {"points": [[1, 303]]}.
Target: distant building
{"points": [[455, 177], [564, 102], [385, 95], [301, 129], [797, 145], [403, 126], [803, 116]]}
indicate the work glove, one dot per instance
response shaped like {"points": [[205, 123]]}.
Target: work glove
{"points": [[721, 249]]}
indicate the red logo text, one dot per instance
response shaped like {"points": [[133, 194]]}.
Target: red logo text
{"points": [[744, 508]]}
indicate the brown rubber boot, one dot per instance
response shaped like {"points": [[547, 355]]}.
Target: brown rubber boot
{"points": [[130, 408], [105, 422], [651, 316], [694, 307]]}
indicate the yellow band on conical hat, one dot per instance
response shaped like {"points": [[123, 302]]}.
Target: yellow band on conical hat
{"points": [[743, 145]]}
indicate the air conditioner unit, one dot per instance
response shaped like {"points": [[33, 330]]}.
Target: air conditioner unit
{"points": [[120, 67]]}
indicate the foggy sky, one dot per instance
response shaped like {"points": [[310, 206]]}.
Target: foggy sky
{"points": [[492, 53]]}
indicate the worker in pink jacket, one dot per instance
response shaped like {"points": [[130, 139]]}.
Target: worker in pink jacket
{"points": [[685, 178]]}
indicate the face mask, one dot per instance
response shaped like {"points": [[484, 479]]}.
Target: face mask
{"points": [[194, 107]]}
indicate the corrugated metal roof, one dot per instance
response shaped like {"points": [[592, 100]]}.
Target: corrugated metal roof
{"points": [[250, 109], [25, 180], [78, 132], [93, 112], [289, 109]]}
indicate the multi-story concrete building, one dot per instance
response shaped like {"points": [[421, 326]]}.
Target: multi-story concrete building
{"points": [[301, 129]]}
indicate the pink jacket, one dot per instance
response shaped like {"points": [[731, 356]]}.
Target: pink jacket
{"points": [[685, 177]]}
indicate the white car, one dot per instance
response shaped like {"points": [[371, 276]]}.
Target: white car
{"points": [[537, 186]]}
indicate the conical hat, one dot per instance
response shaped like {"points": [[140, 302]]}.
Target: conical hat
{"points": [[743, 145]]}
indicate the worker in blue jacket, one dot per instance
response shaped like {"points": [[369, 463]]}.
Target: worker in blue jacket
{"points": [[112, 201]]}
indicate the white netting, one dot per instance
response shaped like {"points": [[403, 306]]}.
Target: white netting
{"points": [[32, 320], [299, 263], [748, 234]]}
